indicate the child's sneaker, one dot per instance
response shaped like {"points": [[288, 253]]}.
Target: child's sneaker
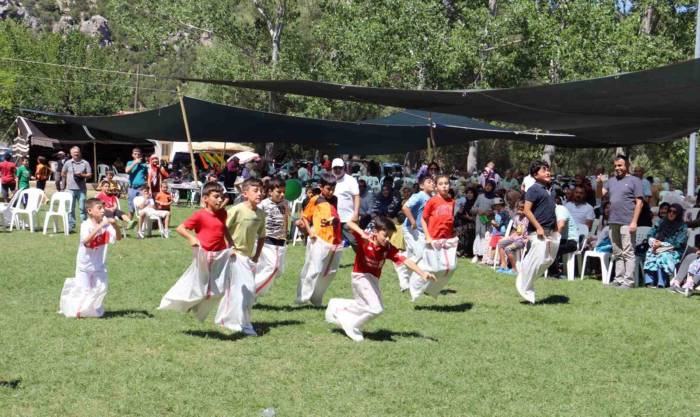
{"points": [[249, 331], [139, 235], [166, 233]]}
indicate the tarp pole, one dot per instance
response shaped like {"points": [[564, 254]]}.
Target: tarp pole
{"points": [[94, 160], [432, 135], [693, 141], [187, 133]]}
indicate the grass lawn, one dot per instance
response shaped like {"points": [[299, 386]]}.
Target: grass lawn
{"points": [[476, 351]]}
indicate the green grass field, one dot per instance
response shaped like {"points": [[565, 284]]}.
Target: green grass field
{"points": [[476, 351]]}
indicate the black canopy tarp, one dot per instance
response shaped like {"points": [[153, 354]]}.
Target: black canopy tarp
{"points": [[217, 122], [649, 106], [59, 135]]}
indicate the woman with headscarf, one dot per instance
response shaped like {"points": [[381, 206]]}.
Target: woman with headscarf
{"points": [[465, 224], [482, 212], [666, 243], [386, 203]]}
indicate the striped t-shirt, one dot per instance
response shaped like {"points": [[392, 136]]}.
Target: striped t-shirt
{"points": [[276, 218]]}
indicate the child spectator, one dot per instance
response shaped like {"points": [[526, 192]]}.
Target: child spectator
{"points": [[114, 188], [209, 274], [7, 176], [42, 172], [156, 173], [23, 174], [109, 201], [83, 295], [246, 225], [164, 200], [374, 249], [271, 263], [413, 232], [324, 247], [515, 242], [146, 209], [440, 254], [499, 223]]}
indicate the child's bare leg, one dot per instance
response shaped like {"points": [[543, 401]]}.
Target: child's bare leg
{"points": [[166, 221], [511, 258], [502, 257]]}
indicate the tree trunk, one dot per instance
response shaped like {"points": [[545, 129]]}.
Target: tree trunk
{"points": [[472, 157], [493, 7], [548, 154], [620, 151], [649, 21]]}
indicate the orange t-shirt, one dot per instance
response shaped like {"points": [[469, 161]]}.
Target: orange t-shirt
{"points": [[318, 209], [162, 200], [439, 215]]}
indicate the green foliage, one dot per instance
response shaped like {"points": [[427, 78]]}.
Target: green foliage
{"points": [[435, 44]]}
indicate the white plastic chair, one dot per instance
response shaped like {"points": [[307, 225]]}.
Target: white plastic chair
{"points": [[296, 215], [147, 226], [692, 213], [692, 234], [6, 211], [641, 235], [570, 258], [60, 205], [605, 264], [594, 227], [102, 171], [35, 197]]}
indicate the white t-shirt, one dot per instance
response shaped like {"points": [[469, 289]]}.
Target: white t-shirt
{"points": [[580, 213], [571, 231], [528, 181], [345, 189], [91, 257]]}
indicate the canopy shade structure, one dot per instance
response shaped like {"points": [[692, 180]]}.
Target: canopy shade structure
{"points": [[57, 135], [217, 122], [651, 106]]}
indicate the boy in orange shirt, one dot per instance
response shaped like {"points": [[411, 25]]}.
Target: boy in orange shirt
{"points": [[324, 246]]}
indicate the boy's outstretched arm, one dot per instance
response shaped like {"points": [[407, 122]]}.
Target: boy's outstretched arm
{"points": [[182, 231], [414, 267], [357, 229]]}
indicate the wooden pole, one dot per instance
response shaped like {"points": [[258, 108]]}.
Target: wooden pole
{"points": [[187, 132], [432, 137], [94, 161], [136, 90]]}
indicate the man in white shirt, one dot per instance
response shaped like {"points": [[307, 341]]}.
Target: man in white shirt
{"points": [[581, 211], [347, 192], [646, 185]]}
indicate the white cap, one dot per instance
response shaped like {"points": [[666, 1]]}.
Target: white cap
{"points": [[337, 162]]}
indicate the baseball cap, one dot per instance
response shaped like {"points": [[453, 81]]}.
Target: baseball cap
{"points": [[497, 201], [337, 162]]}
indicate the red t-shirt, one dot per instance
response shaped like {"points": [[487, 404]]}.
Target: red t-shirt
{"points": [[370, 257], [7, 172], [439, 214], [110, 201], [210, 229]]}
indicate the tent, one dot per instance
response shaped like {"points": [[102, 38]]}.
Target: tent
{"points": [[217, 122], [652, 106]]}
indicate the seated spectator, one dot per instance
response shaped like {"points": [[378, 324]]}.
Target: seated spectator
{"points": [[688, 276], [566, 226], [663, 210], [601, 241], [515, 242], [386, 203], [580, 210], [497, 228], [666, 243], [464, 224], [366, 203], [114, 188], [147, 209], [110, 203]]}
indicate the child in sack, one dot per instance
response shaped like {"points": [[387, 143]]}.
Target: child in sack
{"points": [[246, 225], [373, 249], [323, 248], [83, 295], [204, 282], [440, 255], [271, 262]]}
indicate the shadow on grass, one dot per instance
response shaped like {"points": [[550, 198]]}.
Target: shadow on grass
{"points": [[267, 307], [552, 299], [12, 383], [134, 314], [346, 266], [261, 328], [457, 308], [448, 291], [384, 335]]}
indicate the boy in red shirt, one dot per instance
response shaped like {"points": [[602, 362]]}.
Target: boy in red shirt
{"points": [[373, 250], [109, 201], [204, 282], [440, 254]]}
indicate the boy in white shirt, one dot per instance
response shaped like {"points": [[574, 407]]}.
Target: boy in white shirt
{"points": [[82, 296]]}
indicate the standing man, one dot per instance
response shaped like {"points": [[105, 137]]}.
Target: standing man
{"points": [[138, 172], [60, 161], [626, 194], [75, 173], [348, 193], [646, 185]]}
